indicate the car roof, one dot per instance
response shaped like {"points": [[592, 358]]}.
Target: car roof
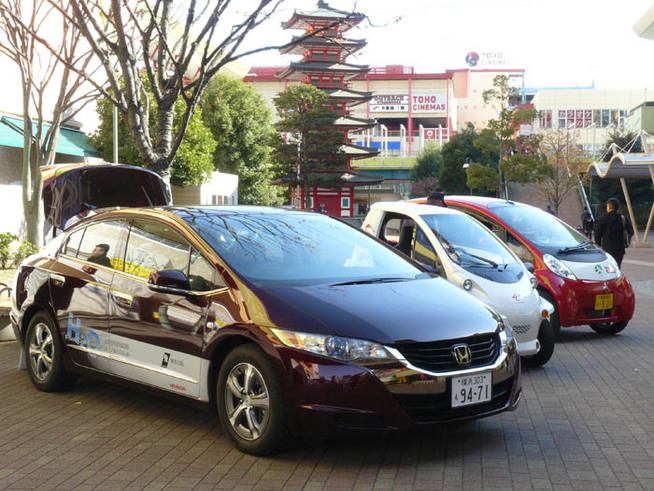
{"points": [[412, 208], [480, 201], [184, 212]]}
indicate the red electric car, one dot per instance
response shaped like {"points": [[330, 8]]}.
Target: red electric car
{"points": [[283, 321], [580, 279]]}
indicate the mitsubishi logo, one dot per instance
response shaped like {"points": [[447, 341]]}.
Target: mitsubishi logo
{"points": [[462, 354]]}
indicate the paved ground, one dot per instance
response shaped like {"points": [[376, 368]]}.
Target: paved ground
{"points": [[586, 422]]}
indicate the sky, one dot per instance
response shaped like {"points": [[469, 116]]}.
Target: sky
{"points": [[560, 43]]}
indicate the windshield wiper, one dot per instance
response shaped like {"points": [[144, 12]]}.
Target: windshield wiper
{"points": [[370, 281], [484, 259], [578, 247]]}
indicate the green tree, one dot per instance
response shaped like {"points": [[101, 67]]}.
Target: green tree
{"points": [[518, 156], [462, 148], [193, 163], [481, 177], [241, 124], [313, 149], [424, 176]]}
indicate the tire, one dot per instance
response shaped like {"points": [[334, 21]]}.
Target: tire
{"points": [[607, 328], [546, 339], [554, 317], [45, 356], [251, 402]]}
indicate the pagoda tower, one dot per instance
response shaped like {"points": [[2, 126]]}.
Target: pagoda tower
{"points": [[323, 65]]}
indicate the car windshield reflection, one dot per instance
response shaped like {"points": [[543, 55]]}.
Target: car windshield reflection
{"points": [[297, 248], [467, 242], [542, 229]]}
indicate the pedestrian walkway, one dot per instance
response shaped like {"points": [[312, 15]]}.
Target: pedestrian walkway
{"points": [[586, 421]]}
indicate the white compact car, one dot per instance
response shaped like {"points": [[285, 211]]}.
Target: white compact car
{"points": [[462, 250]]}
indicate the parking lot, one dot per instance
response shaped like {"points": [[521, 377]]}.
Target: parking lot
{"points": [[586, 421]]}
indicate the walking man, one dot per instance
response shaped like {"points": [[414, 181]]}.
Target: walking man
{"points": [[613, 232]]}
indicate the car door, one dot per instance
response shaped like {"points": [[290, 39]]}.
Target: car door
{"points": [[80, 286], [158, 336]]}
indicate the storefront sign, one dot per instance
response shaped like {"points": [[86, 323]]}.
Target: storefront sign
{"points": [[389, 103], [487, 59], [428, 103]]}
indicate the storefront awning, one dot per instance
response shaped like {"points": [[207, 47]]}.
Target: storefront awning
{"points": [[621, 165], [71, 142]]}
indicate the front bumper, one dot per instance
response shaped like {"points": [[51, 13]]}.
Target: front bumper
{"points": [[576, 300], [327, 397]]}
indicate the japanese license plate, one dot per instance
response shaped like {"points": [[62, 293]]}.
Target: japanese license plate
{"points": [[604, 302], [471, 389]]}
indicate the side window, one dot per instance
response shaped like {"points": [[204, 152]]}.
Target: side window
{"points": [[202, 275], [153, 246], [390, 232], [520, 250], [424, 252], [100, 244], [71, 247]]}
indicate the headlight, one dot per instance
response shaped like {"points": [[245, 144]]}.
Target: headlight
{"points": [[534, 282], [506, 336], [342, 349], [557, 267], [615, 268], [467, 285]]}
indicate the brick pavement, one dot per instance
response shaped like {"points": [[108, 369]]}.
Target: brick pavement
{"points": [[586, 422]]}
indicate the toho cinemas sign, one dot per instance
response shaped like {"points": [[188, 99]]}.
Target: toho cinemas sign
{"points": [[428, 103]]}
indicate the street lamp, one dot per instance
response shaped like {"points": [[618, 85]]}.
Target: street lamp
{"points": [[466, 166]]}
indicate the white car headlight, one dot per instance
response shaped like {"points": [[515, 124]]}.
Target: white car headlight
{"points": [[557, 267], [342, 349]]}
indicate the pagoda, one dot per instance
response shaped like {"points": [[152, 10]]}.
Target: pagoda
{"points": [[323, 64]]}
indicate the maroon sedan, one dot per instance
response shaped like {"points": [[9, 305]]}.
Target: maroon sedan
{"points": [[285, 322]]}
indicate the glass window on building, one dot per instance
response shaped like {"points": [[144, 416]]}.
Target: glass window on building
{"points": [[546, 119]]}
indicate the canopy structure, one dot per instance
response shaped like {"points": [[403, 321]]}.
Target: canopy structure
{"points": [[632, 166]]}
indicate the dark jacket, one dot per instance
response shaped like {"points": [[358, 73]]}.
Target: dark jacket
{"points": [[609, 232]]}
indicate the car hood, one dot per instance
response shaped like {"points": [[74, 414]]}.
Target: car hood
{"points": [[596, 271], [388, 313]]}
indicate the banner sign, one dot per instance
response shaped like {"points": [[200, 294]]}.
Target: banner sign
{"points": [[431, 102], [389, 103]]}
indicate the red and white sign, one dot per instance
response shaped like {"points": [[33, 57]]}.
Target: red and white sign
{"points": [[433, 133], [435, 102]]}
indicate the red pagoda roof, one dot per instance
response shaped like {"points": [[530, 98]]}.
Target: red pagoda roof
{"points": [[297, 70], [323, 14], [323, 42]]}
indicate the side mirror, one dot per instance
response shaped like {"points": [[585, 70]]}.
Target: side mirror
{"points": [[530, 267], [170, 281]]}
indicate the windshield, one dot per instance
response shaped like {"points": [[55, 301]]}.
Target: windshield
{"points": [[542, 229], [467, 242], [298, 248]]}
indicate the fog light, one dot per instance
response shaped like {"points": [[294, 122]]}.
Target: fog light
{"points": [[467, 285]]}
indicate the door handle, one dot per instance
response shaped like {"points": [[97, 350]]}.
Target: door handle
{"points": [[123, 299]]}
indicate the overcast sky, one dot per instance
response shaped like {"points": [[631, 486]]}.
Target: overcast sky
{"points": [[558, 42]]}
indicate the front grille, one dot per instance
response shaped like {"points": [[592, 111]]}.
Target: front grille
{"points": [[436, 356], [598, 314], [432, 408]]}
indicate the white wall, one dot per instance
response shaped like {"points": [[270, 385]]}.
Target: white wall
{"points": [[222, 189], [11, 202]]}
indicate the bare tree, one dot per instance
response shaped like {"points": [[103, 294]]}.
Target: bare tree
{"points": [[566, 161], [173, 46], [47, 84]]}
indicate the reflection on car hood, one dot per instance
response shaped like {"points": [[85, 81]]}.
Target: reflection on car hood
{"points": [[414, 310]]}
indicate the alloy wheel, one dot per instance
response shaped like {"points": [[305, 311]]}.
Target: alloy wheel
{"points": [[247, 401], [41, 347]]}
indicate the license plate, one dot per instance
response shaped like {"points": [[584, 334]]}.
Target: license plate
{"points": [[604, 302], [471, 389]]}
